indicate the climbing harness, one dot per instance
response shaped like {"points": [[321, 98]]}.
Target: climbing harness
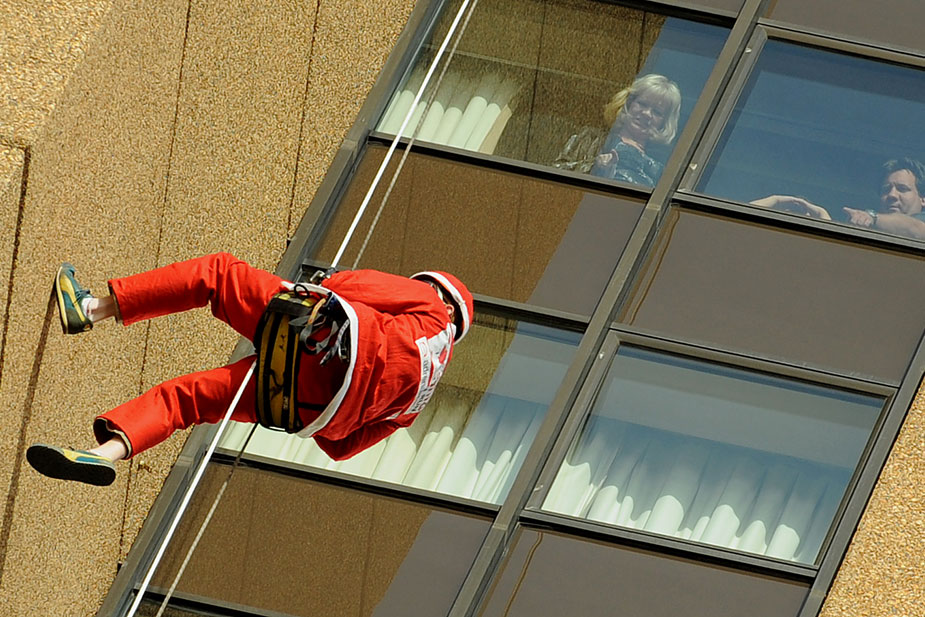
{"points": [[296, 321], [287, 419]]}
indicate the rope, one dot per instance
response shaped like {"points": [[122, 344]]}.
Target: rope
{"points": [[202, 528], [400, 132], [186, 498], [347, 237], [414, 134]]}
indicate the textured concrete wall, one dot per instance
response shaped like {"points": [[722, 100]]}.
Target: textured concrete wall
{"points": [[884, 569], [147, 132]]}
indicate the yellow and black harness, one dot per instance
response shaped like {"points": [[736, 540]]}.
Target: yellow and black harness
{"points": [[296, 321]]}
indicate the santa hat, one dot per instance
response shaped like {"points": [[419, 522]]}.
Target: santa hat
{"points": [[458, 294]]}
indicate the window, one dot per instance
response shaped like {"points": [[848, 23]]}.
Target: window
{"points": [[471, 438], [781, 294], [299, 555], [536, 81], [547, 573], [724, 438], [504, 235], [819, 126], [714, 454]]}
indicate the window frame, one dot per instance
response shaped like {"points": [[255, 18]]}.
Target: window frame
{"points": [[838, 39], [621, 335], [719, 123]]}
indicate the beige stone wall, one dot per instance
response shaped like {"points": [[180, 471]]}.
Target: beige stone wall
{"points": [[135, 133], [143, 133], [884, 570]]}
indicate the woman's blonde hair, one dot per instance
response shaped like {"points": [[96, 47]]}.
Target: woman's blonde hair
{"points": [[657, 85]]}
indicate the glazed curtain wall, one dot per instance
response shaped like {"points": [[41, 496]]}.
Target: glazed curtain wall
{"points": [[687, 364]]}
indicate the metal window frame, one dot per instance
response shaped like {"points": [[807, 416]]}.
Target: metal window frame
{"points": [[472, 594], [765, 32], [673, 547], [837, 38], [622, 335]]}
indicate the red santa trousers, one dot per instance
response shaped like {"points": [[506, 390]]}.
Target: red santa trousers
{"points": [[238, 294]]}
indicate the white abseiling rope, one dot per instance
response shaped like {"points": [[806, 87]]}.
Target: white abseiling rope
{"points": [[414, 135], [205, 523], [400, 132], [186, 499], [187, 496]]}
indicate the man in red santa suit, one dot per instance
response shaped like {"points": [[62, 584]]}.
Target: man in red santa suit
{"points": [[401, 335]]}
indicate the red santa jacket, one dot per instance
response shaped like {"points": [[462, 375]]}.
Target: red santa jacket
{"points": [[401, 339]]}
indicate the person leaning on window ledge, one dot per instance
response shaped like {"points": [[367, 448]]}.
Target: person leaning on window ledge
{"points": [[900, 211]]}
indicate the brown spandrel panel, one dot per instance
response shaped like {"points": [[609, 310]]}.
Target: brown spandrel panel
{"points": [[549, 573], [504, 235], [894, 22], [511, 30], [732, 6], [782, 294], [298, 547]]}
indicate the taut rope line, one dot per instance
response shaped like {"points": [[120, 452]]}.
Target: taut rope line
{"points": [[184, 503], [401, 130]]}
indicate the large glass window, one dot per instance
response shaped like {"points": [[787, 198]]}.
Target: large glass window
{"points": [[782, 294], [295, 547], [714, 454], [471, 438], [811, 134], [504, 235], [540, 81], [548, 573]]}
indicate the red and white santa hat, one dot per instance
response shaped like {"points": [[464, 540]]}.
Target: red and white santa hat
{"points": [[459, 296]]}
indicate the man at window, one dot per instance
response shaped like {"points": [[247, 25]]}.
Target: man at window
{"points": [[900, 211]]}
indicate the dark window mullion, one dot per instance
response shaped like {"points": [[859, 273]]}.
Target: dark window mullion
{"points": [[225, 456], [534, 171], [752, 361], [499, 536], [727, 99], [702, 202]]}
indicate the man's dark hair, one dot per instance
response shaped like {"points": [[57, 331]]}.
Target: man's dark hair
{"points": [[915, 167]]}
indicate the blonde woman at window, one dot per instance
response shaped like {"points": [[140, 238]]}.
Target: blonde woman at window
{"points": [[645, 113]]}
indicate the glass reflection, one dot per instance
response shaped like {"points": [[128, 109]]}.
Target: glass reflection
{"points": [[505, 235], [557, 83], [716, 455], [289, 546], [471, 438], [549, 573], [828, 136], [780, 294]]}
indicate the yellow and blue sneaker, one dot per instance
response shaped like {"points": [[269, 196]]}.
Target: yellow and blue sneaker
{"points": [[70, 293], [67, 464]]}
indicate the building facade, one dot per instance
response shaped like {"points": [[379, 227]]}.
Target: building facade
{"points": [[691, 381]]}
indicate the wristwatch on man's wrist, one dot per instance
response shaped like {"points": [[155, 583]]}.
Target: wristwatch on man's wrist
{"points": [[873, 216]]}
